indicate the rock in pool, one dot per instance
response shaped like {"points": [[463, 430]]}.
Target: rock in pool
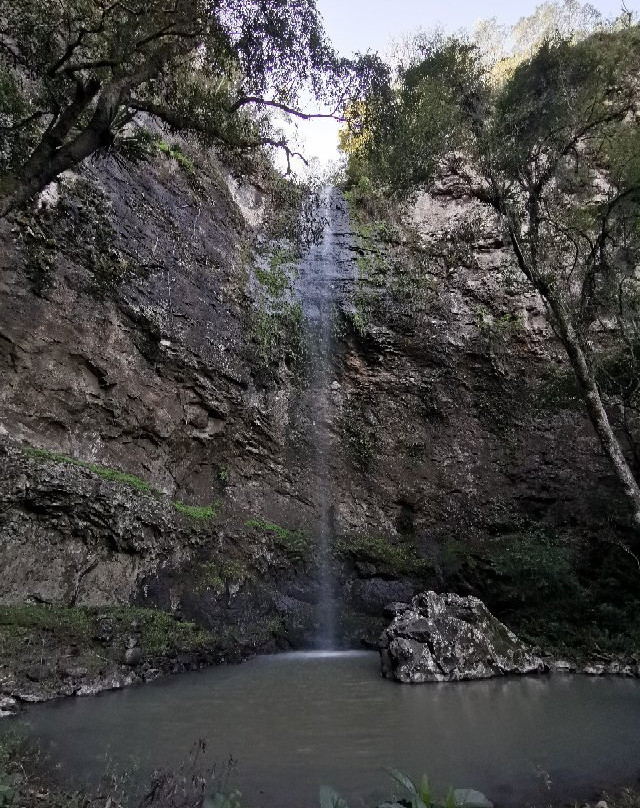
{"points": [[447, 638]]}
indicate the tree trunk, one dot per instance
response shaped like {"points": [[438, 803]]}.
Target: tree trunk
{"points": [[39, 173], [583, 373], [48, 162], [52, 156], [593, 401]]}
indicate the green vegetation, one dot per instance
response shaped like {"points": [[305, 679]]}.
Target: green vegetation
{"points": [[373, 270], [101, 471], [276, 321], [160, 632], [175, 152], [293, 542], [536, 567], [558, 389], [498, 329], [16, 756], [394, 558], [29, 779], [395, 282], [93, 68], [55, 233], [275, 276], [276, 281], [221, 573], [361, 444], [360, 436], [277, 334], [571, 597], [44, 645], [199, 512], [419, 795], [68, 621], [143, 144]]}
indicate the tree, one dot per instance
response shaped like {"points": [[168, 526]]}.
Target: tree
{"points": [[503, 47], [555, 151], [75, 73]]}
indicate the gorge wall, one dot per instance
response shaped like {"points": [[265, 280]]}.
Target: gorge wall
{"points": [[131, 335]]}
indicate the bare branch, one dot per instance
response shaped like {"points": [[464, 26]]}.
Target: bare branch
{"points": [[176, 121], [265, 102]]}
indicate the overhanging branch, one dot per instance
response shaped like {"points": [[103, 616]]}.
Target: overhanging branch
{"points": [[180, 122], [266, 102]]}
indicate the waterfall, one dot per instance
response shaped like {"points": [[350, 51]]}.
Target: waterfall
{"points": [[320, 284]]}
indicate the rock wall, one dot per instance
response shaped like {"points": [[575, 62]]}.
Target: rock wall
{"points": [[127, 341], [471, 423]]}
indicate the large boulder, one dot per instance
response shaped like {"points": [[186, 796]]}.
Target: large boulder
{"points": [[445, 638]]}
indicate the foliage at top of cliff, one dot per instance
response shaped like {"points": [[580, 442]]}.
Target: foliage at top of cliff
{"points": [[74, 75], [446, 112]]}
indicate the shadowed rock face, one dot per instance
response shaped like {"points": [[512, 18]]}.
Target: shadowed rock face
{"points": [[446, 638], [126, 341]]}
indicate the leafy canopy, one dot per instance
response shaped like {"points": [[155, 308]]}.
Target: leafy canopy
{"points": [[74, 73]]}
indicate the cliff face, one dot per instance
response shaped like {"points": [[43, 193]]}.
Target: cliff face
{"points": [[471, 423], [130, 337], [122, 324]]}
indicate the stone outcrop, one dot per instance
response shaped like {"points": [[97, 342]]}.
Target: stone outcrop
{"points": [[8, 706], [447, 638]]}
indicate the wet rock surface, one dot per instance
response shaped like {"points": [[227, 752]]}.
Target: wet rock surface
{"points": [[447, 638]]}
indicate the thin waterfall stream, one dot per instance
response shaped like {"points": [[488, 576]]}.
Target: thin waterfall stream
{"points": [[322, 276]]}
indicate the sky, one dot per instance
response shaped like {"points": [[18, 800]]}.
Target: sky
{"points": [[370, 25]]}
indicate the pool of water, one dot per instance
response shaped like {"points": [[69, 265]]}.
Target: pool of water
{"points": [[295, 721]]}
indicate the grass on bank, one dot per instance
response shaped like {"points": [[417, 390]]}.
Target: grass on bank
{"points": [[98, 634], [101, 471], [294, 543], [29, 780]]}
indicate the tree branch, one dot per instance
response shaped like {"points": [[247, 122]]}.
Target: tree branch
{"points": [[24, 122], [70, 69], [178, 122], [265, 102]]}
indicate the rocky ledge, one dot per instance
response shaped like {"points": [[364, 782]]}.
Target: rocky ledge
{"points": [[447, 638], [49, 652]]}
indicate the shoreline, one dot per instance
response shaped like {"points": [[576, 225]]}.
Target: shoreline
{"points": [[16, 697]]}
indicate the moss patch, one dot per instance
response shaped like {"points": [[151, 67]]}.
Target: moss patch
{"points": [[219, 574], [391, 558], [293, 542], [43, 636], [199, 512], [105, 473]]}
